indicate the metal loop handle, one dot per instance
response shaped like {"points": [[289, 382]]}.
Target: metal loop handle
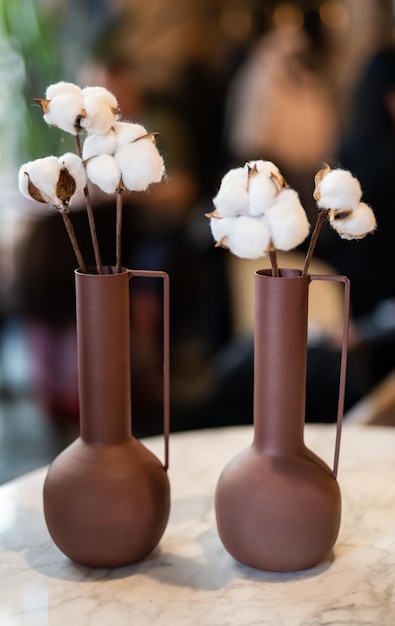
{"points": [[343, 361], [166, 351]]}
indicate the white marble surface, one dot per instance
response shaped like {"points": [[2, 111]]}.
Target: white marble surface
{"points": [[190, 579]]}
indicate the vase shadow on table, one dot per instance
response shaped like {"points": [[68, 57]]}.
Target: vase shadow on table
{"points": [[205, 564]]}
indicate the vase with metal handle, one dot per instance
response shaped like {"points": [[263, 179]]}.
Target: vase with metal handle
{"points": [[278, 505], [106, 496]]}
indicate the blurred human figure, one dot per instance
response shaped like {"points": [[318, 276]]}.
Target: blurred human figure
{"points": [[281, 107], [368, 151]]}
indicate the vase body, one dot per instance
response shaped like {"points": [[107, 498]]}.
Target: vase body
{"points": [[106, 496], [278, 505]]}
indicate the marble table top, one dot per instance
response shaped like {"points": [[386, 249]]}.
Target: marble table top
{"points": [[190, 579]]}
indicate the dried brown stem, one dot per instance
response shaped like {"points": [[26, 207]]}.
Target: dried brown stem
{"points": [[92, 228], [78, 145], [322, 216], [273, 261], [119, 229], [91, 219], [73, 238]]}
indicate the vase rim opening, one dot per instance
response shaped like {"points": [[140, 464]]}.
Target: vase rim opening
{"points": [[283, 273], [108, 270]]}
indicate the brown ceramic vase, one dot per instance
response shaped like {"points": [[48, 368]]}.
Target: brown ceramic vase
{"points": [[106, 496], [278, 505]]}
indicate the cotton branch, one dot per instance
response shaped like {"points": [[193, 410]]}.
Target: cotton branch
{"points": [[91, 219], [72, 237], [322, 216], [119, 228]]}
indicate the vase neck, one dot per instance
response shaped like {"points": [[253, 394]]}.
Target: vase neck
{"points": [[280, 357], [103, 340]]}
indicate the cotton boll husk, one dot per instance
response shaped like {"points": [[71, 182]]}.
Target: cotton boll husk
{"points": [[140, 164], [220, 227], [99, 144], [76, 169], [360, 223], [43, 174], [288, 221], [99, 116], [262, 193], [127, 132], [339, 190], [101, 93], [264, 167], [248, 237], [62, 88], [64, 112], [104, 172], [232, 199]]}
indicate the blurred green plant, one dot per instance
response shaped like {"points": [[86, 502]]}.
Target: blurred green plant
{"points": [[30, 59]]}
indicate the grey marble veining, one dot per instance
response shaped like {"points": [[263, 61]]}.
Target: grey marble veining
{"points": [[190, 579]]}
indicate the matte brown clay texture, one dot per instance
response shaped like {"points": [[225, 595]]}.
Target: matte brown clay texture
{"points": [[106, 497], [278, 506]]}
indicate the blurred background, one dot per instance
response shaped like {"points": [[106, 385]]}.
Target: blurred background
{"points": [[222, 81]]}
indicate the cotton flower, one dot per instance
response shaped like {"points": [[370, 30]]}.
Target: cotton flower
{"points": [[127, 132], [232, 198], [64, 111], [337, 190], [98, 115], [265, 183], [249, 237], [103, 94], [255, 212], [104, 172], [61, 88], [354, 225], [105, 143], [73, 164], [264, 167], [52, 180], [287, 220], [140, 164], [245, 236], [132, 158], [338, 195], [37, 180], [70, 108]]}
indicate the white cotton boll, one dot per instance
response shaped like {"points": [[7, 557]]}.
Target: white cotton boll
{"points": [[99, 116], [235, 174], [43, 174], [287, 220], [23, 179], [357, 225], [99, 144], [76, 169], [127, 132], [140, 164], [262, 193], [101, 93], [232, 197], [62, 88], [339, 189], [104, 172], [220, 227], [264, 167], [248, 237], [64, 112]]}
